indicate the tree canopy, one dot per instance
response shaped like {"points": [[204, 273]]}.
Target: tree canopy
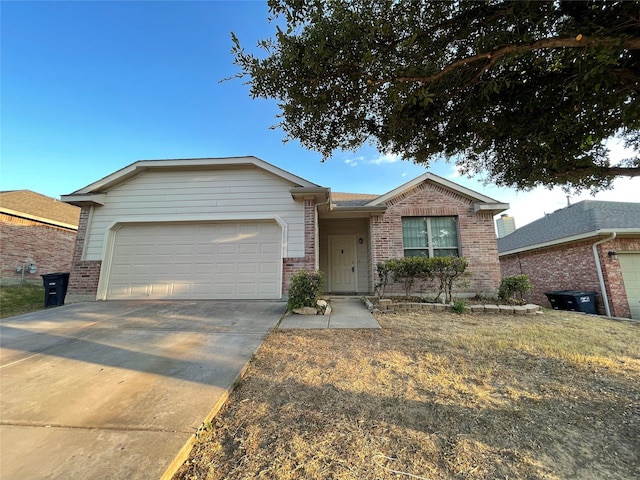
{"points": [[524, 93]]}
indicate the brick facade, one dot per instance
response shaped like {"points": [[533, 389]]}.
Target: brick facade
{"points": [[476, 233], [309, 262], [85, 274], [24, 241], [571, 266]]}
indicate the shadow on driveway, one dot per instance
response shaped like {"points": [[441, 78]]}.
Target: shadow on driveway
{"points": [[107, 368]]}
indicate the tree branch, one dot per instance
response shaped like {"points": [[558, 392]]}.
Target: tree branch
{"points": [[494, 55]]}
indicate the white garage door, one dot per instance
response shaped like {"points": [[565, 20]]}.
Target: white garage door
{"points": [[221, 260], [630, 266]]}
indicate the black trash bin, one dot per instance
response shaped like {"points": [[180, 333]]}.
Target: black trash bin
{"points": [[580, 301], [557, 299], [55, 288]]}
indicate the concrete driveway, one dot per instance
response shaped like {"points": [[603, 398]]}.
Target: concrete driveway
{"points": [[114, 390]]}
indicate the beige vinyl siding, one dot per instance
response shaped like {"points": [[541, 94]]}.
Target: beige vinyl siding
{"points": [[213, 193]]}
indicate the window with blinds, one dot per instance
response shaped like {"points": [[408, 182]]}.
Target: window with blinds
{"points": [[430, 236]]}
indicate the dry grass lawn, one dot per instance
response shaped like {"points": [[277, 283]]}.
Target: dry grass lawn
{"points": [[435, 396]]}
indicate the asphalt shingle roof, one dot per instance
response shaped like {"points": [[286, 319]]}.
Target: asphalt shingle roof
{"points": [[582, 217], [38, 205], [352, 199]]}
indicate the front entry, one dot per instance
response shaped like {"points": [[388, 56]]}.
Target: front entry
{"points": [[342, 263]]}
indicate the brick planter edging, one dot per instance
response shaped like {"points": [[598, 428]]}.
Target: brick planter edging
{"points": [[387, 306]]}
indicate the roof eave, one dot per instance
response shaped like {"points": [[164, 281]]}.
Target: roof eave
{"points": [[354, 212], [80, 200], [141, 165], [572, 238], [428, 176], [493, 208], [319, 194]]}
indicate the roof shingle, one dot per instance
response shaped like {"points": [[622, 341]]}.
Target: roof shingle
{"points": [[35, 204], [582, 217]]}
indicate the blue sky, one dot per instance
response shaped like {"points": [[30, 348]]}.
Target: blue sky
{"points": [[88, 87]]}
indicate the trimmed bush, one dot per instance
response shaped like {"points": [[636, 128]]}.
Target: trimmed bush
{"points": [[407, 270], [305, 289], [385, 273], [446, 270], [512, 285]]}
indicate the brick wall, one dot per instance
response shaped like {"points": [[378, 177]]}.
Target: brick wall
{"points": [[476, 232], [572, 267], [309, 262], [24, 241], [85, 274]]}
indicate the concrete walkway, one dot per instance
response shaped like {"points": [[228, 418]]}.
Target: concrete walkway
{"points": [[345, 313]]}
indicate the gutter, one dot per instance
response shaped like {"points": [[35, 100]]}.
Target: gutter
{"points": [[572, 238], [596, 257]]}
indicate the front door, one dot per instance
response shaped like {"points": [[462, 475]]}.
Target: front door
{"points": [[342, 263]]}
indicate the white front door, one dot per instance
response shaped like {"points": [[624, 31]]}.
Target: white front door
{"points": [[342, 263]]}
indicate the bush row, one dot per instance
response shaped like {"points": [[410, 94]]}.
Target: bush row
{"points": [[406, 270]]}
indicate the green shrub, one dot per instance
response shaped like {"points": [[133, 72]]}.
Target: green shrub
{"points": [[385, 270], [409, 269], [459, 306], [305, 289], [514, 284], [446, 270]]}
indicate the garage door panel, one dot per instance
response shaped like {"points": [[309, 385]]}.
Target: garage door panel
{"points": [[247, 268], [208, 261], [630, 267]]}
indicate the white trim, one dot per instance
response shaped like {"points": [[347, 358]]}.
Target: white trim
{"points": [[78, 200], [111, 229], [135, 168], [596, 258], [436, 179], [572, 238]]}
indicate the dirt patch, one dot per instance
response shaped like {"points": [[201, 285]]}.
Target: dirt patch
{"points": [[435, 396]]}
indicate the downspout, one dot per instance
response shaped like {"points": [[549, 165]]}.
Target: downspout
{"points": [[596, 257]]}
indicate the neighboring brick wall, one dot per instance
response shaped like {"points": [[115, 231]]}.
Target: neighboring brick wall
{"points": [[572, 267], [24, 241], [85, 274], [309, 262], [476, 232]]}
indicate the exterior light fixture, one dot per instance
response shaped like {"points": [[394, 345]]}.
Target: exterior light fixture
{"points": [[613, 255]]}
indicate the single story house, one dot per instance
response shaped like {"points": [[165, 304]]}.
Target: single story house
{"points": [[589, 246], [238, 228], [38, 235]]}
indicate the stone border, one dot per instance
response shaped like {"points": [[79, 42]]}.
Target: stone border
{"points": [[387, 306]]}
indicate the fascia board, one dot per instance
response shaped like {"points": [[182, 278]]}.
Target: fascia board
{"points": [[79, 199], [436, 179], [572, 238], [319, 194], [141, 165], [494, 208]]}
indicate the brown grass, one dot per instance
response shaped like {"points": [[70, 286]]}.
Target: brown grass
{"points": [[435, 396]]}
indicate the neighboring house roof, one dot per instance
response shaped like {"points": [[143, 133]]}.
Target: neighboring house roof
{"points": [[37, 207], [585, 219]]}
